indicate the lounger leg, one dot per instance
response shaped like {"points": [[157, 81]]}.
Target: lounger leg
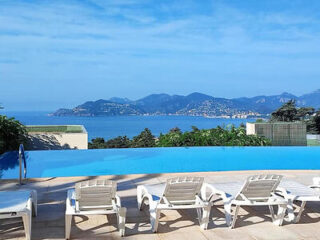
{"points": [[281, 213], [205, 217], [272, 213], [303, 204], [199, 214], [139, 197], [235, 216], [34, 203], [291, 216], [154, 219], [122, 220], [68, 219], [204, 193], [227, 211], [27, 220]]}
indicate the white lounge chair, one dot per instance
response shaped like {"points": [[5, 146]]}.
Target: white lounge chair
{"points": [[257, 190], [19, 204], [294, 191], [176, 193], [94, 197]]}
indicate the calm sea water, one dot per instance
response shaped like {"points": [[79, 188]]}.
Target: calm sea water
{"points": [[109, 127]]}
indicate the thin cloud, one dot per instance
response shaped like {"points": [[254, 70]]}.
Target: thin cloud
{"points": [[174, 41]]}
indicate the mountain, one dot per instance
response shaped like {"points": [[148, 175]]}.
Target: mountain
{"points": [[310, 99], [100, 108], [194, 104], [120, 100], [263, 104]]}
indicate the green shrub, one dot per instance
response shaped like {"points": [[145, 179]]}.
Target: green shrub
{"points": [[144, 139], [12, 134], [212, 137]]}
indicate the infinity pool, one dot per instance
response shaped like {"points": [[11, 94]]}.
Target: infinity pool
{"points": [[158, 160]]}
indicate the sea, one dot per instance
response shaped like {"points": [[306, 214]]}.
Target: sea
{"points": [[112, 126]]}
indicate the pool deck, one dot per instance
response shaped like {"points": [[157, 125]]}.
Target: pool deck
{"points": [[253, 223]]}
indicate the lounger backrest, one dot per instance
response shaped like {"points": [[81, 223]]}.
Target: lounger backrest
{"points": [[95, 193], [260, 187], [183, 190]]}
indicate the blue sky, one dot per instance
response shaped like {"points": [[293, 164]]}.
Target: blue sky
{"points": [[61, 53]]}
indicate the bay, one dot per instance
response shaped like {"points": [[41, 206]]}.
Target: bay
{"points": [[113, 126]]}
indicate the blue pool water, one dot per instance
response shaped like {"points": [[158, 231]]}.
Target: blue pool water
{"points": [[159, 160]]}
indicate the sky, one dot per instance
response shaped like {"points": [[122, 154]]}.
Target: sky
{"points": [[57, 53]]}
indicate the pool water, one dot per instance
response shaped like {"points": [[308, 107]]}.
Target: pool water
{"points": [[158, 160]]}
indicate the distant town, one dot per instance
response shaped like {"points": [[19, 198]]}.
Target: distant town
{"points": [[195, 104]]}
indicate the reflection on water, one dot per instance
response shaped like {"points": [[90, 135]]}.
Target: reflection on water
{"points": [[8, 160]]}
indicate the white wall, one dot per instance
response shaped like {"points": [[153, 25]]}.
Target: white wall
{"points": [[55, 141]]}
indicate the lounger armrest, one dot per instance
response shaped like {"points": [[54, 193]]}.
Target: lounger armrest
{"points": [[243, 198], [316, 181], [283, 192], [166, 201], [122, 211], [118, 201], [34, 200], [70, 196], [199, 200], [213, 190], [315, 187]]}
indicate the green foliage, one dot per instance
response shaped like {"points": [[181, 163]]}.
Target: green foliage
{"points": [[12, 134], [259, 120], [118, 142], [211, 137], [144, 139], [305, 113], [219, 136], [286, 113], [313, 125], [97, 143]]}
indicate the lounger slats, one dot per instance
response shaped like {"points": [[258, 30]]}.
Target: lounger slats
{"points": [[103, 199], [188, 199], [183, 189], [260, 186], [95, 193], [85, 204]]}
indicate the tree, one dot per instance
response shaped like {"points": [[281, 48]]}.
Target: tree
{"points": [[12, 134], [305, 113], [118, 142], [97, 143], [144, 139], [313, 125], [175, 130], [286, 113]]}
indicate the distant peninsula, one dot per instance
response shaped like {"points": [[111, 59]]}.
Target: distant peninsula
{"points": [[194, 104]]}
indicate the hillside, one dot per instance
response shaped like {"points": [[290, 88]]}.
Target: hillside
{"points": [[195, 104]]}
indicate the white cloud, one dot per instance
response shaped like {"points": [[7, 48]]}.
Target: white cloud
{"points": [[133, 39]]}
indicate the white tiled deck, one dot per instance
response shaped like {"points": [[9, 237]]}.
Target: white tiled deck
{"points": [[254, 223]]}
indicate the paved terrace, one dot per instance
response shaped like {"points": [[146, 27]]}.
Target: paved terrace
{"points": [[253, 223]]}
